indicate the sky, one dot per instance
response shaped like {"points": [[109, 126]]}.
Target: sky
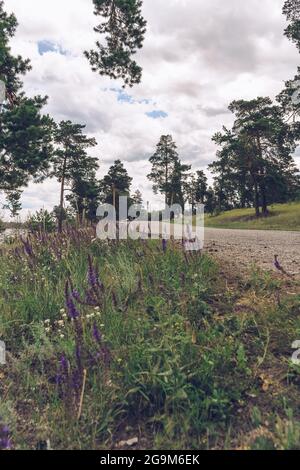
{"points": [[198, 56]]}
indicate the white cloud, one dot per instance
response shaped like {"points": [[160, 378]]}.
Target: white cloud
{"points": [[199, 55]]}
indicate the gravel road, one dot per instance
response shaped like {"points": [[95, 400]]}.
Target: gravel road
{"points": [[242, 248]]}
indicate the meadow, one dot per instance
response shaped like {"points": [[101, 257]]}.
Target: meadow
{"points": [[143, 345], [281, 217]]}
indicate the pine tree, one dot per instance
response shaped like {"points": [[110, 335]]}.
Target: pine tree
{"points": [[137, 198], [257, 151], [116, 183], [71, 163], [84, 197], [124, 28], [289, 98], [196, 188], [25, 134], [178, 183], [164, 163], [291, 10]]}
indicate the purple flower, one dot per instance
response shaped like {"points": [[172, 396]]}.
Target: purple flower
{"points": [[27, 247], [164, 245], [90, 299], [78, 357], [96, 333], [5, 442], [93, 275], [71, 308], [76, 296]]}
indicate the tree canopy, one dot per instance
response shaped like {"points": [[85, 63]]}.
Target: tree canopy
{"points": [[291, 10], [124, 28]]}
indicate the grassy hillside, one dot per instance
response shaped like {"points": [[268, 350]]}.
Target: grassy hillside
{"points": [[282, 217], [133, 342]]}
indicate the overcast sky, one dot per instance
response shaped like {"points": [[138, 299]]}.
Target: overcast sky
{"points": [[198, 56]]}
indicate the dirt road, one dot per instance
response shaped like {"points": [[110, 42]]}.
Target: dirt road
{"points": [[241, 248]]}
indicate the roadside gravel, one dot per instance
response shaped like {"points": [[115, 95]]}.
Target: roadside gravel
{"points": [[242, 248]]}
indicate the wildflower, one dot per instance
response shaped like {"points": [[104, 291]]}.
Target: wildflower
{"points": [[93, 276], [5, 442], [164, 245], [76, 296], [27, 247], [96, 333], [71, 308], [79, 357]]}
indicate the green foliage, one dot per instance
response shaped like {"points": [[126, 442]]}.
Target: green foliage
{"points": [[41, 221], [255, 163], [10, 67], [291, 10], [196, 188], [164, 163], [25, 134], [124, 28], [137, 198], [116, 183]]}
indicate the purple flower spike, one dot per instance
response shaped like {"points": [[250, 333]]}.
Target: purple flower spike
{"points": [[76, 296], [27, 247], [97, 334], [164, 245], [5, 442], [72, 311], [93, 276]]}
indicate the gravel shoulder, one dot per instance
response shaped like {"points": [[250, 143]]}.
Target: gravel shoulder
{"points": [[243, 248]]}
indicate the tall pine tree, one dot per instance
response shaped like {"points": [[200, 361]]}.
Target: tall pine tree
{"points": [[164, 165], [71, 163]]}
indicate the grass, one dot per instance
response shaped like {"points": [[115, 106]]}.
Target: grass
{"points": [[167, 348], [282, 217]]}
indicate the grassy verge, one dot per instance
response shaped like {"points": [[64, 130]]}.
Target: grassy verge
{"points": [[108, 343], [282, 217]]}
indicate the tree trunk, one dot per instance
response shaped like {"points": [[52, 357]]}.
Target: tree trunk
{"points": [[62, 193], [114, 196], [256, 197], [265, 210]]}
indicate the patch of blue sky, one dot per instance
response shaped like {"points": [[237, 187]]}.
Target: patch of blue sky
{"points": [[157, 114], [45, 46], [122, 96]]}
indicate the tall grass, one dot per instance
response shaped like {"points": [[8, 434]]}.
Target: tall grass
{"points": [[109, 341]]}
